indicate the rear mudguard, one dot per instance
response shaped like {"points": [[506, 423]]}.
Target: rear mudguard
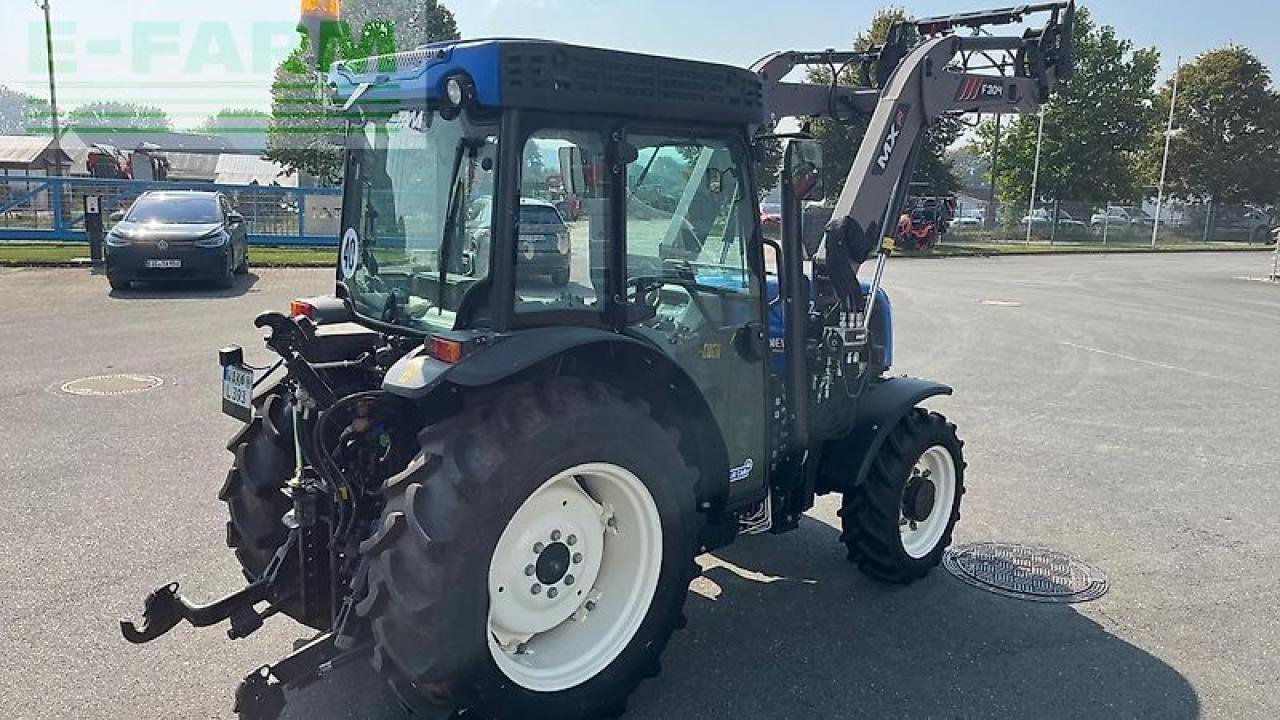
{"points": [[847, 460], [631, 365], [418, 374]]}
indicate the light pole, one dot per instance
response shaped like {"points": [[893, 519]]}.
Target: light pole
{"points": [[989, 222], [1168, 142], [53, 89], [1035, 178]]}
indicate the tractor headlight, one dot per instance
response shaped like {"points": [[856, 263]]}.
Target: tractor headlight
{"points": [[453, 90], [458, 92]]}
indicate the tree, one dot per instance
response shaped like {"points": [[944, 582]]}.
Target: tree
{"points": [[113, 116], [1096, 127], [415, 22], [1229, 116], [842, 138], [247, 127], [22, 114], [302, 122]]}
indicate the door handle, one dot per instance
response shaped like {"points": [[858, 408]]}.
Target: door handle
{"points": [[749, 342]]}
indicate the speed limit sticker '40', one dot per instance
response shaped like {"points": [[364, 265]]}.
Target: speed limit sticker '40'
{"points": [[349, 257]]}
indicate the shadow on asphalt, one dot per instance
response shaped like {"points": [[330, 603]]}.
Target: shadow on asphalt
{"points": [[784, 627], [185, 289]]}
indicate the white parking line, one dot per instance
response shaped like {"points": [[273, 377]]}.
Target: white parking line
{"points": [[1174, 368]]}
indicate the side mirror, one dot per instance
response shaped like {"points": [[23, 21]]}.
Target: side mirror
{"points": [[803, 167], [235, 218], [117, 216]]}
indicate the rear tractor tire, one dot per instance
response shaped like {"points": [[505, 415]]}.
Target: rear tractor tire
{"points": [[899, 522], [534, 559]]}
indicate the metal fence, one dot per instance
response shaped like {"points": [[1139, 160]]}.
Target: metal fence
{"points": [[1118, 223], [53, 209]]}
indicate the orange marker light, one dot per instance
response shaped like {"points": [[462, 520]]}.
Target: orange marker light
{"points": [[446, 351], [321, 9], [301, 308]]}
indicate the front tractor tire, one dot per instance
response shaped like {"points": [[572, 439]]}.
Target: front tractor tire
{"points": [[534, 559], [898, 523]]}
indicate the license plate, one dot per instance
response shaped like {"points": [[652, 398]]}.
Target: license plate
{"points": [[164, 264], [237, 392]]}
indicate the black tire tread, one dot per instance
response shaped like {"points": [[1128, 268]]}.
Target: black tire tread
{"points": [[412, 582], [870, 511]]}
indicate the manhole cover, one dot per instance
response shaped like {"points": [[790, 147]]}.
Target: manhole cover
{"points": [[104, 385], [1026, 573]]}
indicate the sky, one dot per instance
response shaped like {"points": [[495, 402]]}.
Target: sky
{"points": [[193, 57]]}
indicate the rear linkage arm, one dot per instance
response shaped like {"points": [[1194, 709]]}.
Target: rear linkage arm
{"points": [[165, 607], [260, 695]]}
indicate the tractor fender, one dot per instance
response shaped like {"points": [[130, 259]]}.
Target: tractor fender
{"points": [[417, 374], [633, 366], [847, 460]]}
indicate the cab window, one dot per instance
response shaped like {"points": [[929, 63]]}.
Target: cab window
{"points": [[689, 213]]}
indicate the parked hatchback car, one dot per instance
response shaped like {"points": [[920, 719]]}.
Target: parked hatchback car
{"points": [[1119, 217], [1043, 218], [170, 234], [545, 246]]}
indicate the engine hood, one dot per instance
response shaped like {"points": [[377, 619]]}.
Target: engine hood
{"points": [[172, 231]]}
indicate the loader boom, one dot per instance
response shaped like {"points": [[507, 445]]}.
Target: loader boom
{"points": [[907, 90]]}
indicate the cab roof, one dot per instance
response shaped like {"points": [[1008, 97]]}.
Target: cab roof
{"points": [[553, 76]]}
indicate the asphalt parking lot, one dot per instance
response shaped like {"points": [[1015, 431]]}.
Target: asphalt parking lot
{"points": [[1125, 409]]}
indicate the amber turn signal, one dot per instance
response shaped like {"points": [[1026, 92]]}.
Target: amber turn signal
{"points": [[302, 308], [446, 351], [322, 9]]}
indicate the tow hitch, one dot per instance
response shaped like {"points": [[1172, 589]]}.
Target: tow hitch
{"points": [[165, 607], [261, 694]]}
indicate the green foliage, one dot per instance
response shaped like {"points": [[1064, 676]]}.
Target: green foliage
{"points": [[247, 127], [1229, 116], [841, 139], [22, 114], [302, 122], [1096, 127], [113, 115], [412, 22], [768, 164]]}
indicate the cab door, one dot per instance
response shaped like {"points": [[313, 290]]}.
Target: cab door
{"points": [[691, 223]]}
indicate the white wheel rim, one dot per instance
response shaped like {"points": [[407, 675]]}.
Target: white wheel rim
{"points": [[921, 536], [550, 631]]}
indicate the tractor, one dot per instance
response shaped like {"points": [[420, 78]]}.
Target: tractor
{"points": [[492, 485]]}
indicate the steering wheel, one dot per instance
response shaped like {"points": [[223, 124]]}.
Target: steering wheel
{"points": [[648, 292]]}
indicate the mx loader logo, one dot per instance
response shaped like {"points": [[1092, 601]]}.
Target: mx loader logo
{"points": [[891, 139]]}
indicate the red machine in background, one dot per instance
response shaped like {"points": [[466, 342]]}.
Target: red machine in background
{"points": [[924, 222]]}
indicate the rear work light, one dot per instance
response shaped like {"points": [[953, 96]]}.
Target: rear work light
{"points": [[302, 308]]}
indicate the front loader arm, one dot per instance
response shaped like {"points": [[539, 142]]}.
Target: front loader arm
{"points": [[903, 91]]}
